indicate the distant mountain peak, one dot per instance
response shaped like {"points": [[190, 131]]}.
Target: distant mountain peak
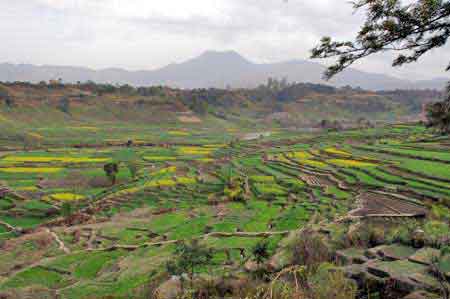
{"points": [[226, 56], [214, 53]]}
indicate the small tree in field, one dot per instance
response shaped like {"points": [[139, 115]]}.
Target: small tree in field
{"points": [[6, 97], [191, 256], [67, 209], [111, 171], [64, 105], [133, 167], [130, 158], [260, 252]]}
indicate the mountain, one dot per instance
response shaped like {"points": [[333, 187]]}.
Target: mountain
{"points": [[214, 69]]}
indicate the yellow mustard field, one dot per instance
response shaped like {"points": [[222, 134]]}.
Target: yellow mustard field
{"points": [[159, 158], [194, 150], [335, 151], [31, 159], [186, 180], [350, 163], [169, 169], [66, 196], [314, 163], [160, 183], [299, 155], [30, 169], [178, 133]]}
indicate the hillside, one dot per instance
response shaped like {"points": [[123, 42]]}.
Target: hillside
{"points": [[214, 69], [24, 105], [205, 215]]}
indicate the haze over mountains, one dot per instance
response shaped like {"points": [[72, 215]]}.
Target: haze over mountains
{"points": [[214, 69]]}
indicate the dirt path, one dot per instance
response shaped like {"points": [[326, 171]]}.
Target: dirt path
{"points": [[209, 235], [61, 244]]}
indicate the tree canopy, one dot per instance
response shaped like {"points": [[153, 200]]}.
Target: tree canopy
{"points": [[410, 29]]}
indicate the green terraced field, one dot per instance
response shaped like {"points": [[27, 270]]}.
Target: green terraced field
{"points": [[190, 183]]}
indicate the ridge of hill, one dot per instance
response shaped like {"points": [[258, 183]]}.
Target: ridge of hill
{"points": [[278, 103], [213, 69]]}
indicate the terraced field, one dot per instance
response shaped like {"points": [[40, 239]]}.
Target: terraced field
{"points": [[67, 230]]}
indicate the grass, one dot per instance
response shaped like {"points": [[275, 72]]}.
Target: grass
{"points": [[428, 168], [37, 276], [262, 179], [335, 151], [193, 150], [159, 158]]}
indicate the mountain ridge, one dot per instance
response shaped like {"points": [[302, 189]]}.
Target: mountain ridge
{"points": [[213, 69]]}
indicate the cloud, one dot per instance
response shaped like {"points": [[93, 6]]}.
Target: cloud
{"points": [[141, 34]]}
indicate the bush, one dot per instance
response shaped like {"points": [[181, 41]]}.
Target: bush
{"points": [[402, 233], [260, 252], [438, 233], [332, 283], [440, 212], [310, 250]]}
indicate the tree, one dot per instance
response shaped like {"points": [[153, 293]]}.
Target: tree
{"points": [[133, 167], [438, 114], [67, 209], [260, 252], [439, 273], [411, 30], [111, 170], [64, 105], [191, 256], [4, 95], [130, 158]]}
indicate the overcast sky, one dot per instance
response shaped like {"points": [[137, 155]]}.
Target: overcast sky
{"points": [[147, 34]]}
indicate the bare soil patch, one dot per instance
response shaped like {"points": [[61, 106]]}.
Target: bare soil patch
{"points": [[380, 204], [189, 119]]}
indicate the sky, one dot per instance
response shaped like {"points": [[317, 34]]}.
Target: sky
{"points": [[148, 34]]}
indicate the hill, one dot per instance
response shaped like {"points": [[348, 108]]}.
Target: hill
{"points": [[213, 69], [277, 103]]}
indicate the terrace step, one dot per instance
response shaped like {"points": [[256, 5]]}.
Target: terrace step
{"points": [[387, 206], [408, 276], [5, 191]]}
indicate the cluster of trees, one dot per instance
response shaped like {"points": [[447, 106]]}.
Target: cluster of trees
{"points": [[124, 89], [413, 99], [96, 88], [276, 84]]}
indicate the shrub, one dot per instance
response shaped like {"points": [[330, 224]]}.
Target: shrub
{"points": [[111, 170], [438, 233], [332, 283], [67, 209], [191, 256], [402, 233], [260, 252], [366, 235], [439, 212], [133, 167], [310, 250]]}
